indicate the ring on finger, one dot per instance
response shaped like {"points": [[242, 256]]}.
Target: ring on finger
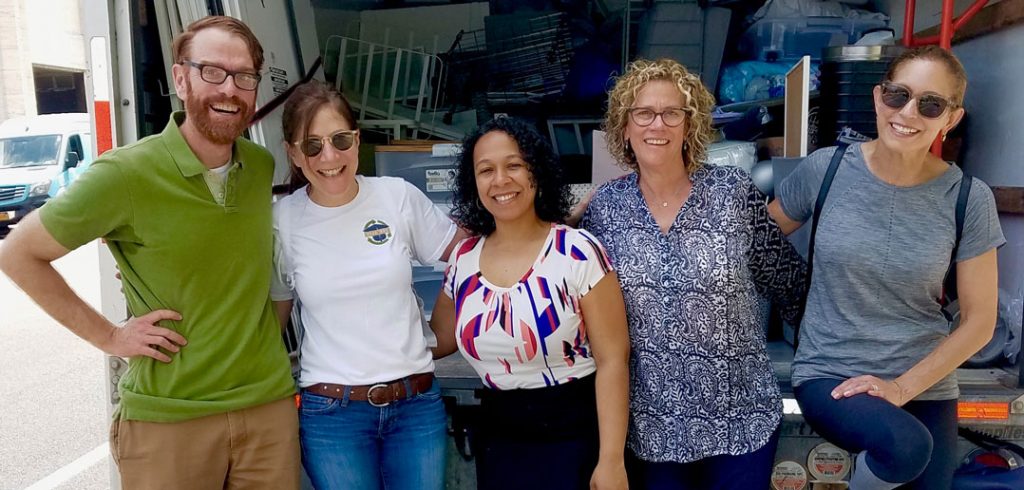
{"points": [[874, 387]]}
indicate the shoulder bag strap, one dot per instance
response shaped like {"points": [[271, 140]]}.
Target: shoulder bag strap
{"points": [[826, 184], [949, 291]]}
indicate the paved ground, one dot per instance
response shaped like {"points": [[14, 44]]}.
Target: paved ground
{"points": [[53, 418]]}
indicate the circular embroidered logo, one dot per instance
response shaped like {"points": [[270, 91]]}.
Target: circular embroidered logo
{"points": [[377, 232]]}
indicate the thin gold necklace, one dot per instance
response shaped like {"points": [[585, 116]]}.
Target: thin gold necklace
{"points": [[664, 202]]}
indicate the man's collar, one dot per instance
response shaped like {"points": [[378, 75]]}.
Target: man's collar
{"points": [[182, 154]]}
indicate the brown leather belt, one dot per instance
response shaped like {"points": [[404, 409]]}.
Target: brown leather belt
{"points": [[380, 394]]}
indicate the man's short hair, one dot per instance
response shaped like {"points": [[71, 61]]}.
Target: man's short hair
{"points": [[230, 24]]}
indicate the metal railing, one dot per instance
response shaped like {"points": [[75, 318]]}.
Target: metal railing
{"points": [[391, 87]]}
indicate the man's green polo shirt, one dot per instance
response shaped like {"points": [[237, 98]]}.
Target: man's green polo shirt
{"points": [[178, 249]]}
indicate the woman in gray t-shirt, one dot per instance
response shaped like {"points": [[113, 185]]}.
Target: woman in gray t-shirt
{"points": [[875, 370]]}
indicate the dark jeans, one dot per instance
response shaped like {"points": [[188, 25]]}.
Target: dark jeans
{"points": [[722, 472], [542, 438], [915, 443]]}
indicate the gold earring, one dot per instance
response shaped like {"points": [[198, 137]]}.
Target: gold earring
{"points": [[944, 136]]}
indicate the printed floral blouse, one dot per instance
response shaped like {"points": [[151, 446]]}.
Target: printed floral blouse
{"points": [[701, 382]]}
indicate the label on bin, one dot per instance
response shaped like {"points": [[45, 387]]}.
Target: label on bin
{"points": [[789, 475], [440, 180], [828, 463]]}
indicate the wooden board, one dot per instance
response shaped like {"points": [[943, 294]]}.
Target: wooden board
{"points": [[1009, 199], [797, 105]]}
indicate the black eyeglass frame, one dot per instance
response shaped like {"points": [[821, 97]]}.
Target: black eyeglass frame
{"points": [[256, 77], [924, 101], [305, 144]]}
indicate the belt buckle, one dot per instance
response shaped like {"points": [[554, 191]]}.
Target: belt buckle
{"points": [[369, 395]]}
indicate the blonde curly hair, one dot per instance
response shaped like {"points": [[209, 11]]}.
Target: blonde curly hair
{"points": [[697, 104]]}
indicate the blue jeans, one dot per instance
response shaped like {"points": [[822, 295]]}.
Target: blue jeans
{"points": [[354, 445], [916, 443]]}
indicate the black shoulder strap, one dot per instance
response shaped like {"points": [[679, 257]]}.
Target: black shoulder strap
{"points": [[283, 96], [826, 184], [949, 292], [961, 209]]}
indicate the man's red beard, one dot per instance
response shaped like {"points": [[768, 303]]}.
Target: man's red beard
{"points": [[198, 110]]}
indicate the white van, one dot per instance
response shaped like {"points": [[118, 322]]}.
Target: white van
{"points": [[39, 157]]}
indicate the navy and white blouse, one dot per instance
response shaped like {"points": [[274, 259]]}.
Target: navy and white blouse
{"points": [[701, 382]]}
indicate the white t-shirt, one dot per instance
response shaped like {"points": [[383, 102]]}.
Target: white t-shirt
{"points": [[532, 334], [352, 272]]}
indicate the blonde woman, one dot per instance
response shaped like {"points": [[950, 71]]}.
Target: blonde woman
{"points": [[695, 252]]}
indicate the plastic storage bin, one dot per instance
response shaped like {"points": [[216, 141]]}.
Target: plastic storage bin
{"points": [[417, 164], [790, 39], [742, 154]]}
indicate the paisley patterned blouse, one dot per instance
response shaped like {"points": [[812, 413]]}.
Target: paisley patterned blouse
{"points": [[701, 382]]}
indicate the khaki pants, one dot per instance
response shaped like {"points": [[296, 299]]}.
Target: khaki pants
{"points": [[257, 447]]}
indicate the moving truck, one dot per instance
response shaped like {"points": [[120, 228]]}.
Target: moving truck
{"points": [[391, 70]]}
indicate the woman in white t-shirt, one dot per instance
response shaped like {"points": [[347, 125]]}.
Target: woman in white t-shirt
{"points": [[514, 302], [371, 414]]}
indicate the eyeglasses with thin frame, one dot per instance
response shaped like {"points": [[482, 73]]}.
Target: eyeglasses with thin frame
{"points": [[644, 116], [216, 75], [929, 105], [341, 140]]}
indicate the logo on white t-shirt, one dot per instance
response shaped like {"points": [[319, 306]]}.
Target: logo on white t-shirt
{"points": [[377, 232]]}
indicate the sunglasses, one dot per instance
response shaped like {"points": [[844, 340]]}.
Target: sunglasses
{"points": [[896, 96], [342, 140]]}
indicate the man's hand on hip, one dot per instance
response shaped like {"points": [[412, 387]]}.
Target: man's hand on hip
{"points": [[142, 337]]}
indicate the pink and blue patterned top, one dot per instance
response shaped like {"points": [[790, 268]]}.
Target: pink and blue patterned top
{"points": [[532, 334]]}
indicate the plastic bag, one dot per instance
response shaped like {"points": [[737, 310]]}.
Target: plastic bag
{"points": [[758, 80]]}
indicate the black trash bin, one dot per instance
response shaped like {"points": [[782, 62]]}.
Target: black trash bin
{"points": [[848, 75]]}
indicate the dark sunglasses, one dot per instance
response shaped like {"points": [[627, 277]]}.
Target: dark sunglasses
{"points": [[342, 140], [931, 106]]}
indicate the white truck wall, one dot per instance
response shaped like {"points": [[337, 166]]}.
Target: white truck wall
{"points": [[269, 20], [995, 68], [995, 103]]}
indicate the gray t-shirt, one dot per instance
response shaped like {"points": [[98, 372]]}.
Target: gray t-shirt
{"points": [[879, 261]]}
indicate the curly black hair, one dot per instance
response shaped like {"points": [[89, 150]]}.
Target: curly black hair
{"points": [[552, 202]]}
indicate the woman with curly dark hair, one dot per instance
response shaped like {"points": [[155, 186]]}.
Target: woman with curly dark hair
{"points": [[514, 302], [553, 199]]}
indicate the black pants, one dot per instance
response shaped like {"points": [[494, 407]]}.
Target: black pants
{"points": [[914, 444], [751, 470], [543, 438]]}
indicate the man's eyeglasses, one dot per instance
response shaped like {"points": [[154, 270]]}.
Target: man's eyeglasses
{"points": [[216, 75], [644, 116], [931, 106], [312, 146]]}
